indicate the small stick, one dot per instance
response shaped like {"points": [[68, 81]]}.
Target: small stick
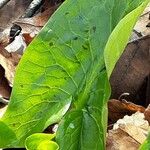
{"points": [[3, 3]]}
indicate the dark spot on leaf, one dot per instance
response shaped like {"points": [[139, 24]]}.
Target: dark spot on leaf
{"points": [[86, 45], [51, 44], [65, 78], [103, 69], [86, 31], [68, 42], [94, 28], [67, 13], [63, 71], [75, 38], [14, 124], [78, 62], [21, 86], [80, 17]]}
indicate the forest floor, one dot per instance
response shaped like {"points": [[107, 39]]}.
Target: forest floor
{"points": [[129, 109]]}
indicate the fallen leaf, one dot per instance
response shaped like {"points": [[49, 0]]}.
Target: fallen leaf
{"points": [[141, 25], [120, 140], [28, 38], [128, 133], [139, 134], [40, 19], [147, 114], [118, 109], [12, 11], [34, 25], [131, 70], [5, 89], [18, 45], [9, 61], [135, 125]]}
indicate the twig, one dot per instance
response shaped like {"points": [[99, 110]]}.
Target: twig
{"points": [[33, 7], [3, 3]]}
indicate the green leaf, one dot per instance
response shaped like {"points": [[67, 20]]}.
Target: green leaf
{"points": [[87, 134], [79, 130], [84, 129], [8, 135], [62, 66], [41, 141], [120, 36]]}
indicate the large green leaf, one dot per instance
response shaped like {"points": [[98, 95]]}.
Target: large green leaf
{"points": [[83, 129], [80, 129], [62, 65]]}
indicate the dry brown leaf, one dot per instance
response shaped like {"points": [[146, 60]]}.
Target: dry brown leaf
{"points": [[28, 38], [133, 67], [118, 109], [136, 126], [128, 133], [120, 140], [147, 114], [141, 24], [12, 11], [131, 70], [18, 45], [33, 25], [5, 89], [4, 38], [9, 62], [141, 28], [139, 134], [40, 19]]}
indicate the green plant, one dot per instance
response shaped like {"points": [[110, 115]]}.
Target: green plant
{"points": [[68, 65]]}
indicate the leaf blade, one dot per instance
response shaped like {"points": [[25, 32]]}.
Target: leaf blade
{"points": [[84, 128], [59, 67], [114, 47]]}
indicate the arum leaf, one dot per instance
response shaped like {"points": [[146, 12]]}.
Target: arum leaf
{"points": [[84, 129], [41, 141], [120, 36], [62, 66], [81, 137]]}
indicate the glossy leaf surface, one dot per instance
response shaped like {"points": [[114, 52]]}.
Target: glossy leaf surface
{"points": [[63, 65]]}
